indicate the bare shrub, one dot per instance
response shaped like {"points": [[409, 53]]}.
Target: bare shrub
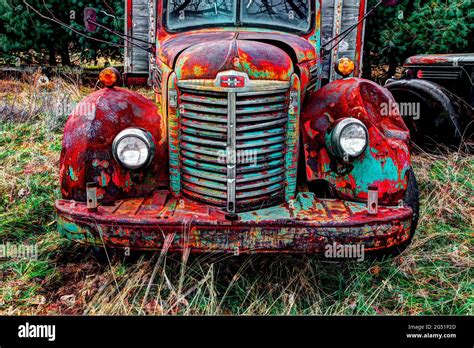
{"points": [[38, 98]]}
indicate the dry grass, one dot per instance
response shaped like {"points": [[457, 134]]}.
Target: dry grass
{"points": [[433, 276]]}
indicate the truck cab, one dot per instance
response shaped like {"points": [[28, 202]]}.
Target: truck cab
{"points": [[258, 139]]}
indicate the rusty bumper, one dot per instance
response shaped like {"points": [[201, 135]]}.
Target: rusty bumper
{"points": [[305, 225]]}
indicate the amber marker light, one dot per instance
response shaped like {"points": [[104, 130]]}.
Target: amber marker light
{"points": [[109, 77], [345, 66]]}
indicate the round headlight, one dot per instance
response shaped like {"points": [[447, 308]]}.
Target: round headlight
{"points": [[133, 148], [349, 138]]}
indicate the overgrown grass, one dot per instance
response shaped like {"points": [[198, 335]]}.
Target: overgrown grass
{"points": [[433, 276]]}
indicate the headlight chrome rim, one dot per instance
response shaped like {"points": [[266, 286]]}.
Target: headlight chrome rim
{"points": [[335, 146], [140, 134]]}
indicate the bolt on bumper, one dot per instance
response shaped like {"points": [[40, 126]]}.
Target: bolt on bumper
{"points": [[304, 225]]}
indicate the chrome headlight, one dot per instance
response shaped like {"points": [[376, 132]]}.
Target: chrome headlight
{"points": [[133, 148], [348, 138]]}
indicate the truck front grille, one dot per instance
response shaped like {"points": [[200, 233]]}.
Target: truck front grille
{"points": [[440, 74], [207, 143]]}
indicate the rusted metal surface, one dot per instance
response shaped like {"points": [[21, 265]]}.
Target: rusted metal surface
{"points": [[306, 225], [87, 154], [386, 160], [258, 60], [441, 59]]}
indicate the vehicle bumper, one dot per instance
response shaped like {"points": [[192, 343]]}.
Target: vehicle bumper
{"points": [[305, 225]]}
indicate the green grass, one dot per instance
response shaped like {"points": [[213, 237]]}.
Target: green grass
{"points": [[433, 276]]}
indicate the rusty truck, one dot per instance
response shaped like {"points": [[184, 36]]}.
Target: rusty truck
{"points": [[261, 137]]}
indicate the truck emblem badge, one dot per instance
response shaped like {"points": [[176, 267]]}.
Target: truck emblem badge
{"points": [[233, 81]]}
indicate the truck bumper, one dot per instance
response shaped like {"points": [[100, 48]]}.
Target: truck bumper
{"points": [[305, 225]]}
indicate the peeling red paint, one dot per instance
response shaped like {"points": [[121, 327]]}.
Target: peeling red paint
{"points": [[200, 228], [360, 99], [87, 157]]}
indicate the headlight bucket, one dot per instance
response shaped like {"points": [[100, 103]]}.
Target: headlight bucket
{"points": [[348, 138], [133, 148]]}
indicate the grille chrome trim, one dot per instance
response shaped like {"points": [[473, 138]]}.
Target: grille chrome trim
{"points": [[219, 124], [251, 86], [231, 153]]}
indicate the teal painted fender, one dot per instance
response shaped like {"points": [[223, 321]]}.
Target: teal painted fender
{"points": [[386, 160]]}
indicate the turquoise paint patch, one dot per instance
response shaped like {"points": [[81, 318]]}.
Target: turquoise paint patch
{"points": [[103, 178], [369, 170], [70, 227], [72, 175]]}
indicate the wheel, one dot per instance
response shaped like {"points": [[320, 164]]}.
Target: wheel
{"points": [[104, 256], [412, 199]]}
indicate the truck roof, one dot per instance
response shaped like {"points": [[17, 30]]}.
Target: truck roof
{"points": [[453, 59]]}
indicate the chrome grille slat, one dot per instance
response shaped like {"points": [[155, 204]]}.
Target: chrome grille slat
{"points": [[204, 183], [260, 183], [259, 176], [203, 99], [260, 167], [199, 92], [264, 108], [202, 117], [203, 125], [205, 191], [259, 192], [280, 122], [203, 133], [280, 98], [204, 166], [199, 156], [200, 149], [260, 118], [191, 139], [204, 109], [204, 175], [253, 123], [260, 143], [260, 134], [257, 93]]}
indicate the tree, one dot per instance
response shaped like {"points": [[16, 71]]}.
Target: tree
{"points": [[33, 39], [418, 27]]}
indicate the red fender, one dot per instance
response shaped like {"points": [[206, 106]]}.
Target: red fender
{"points": [[387, 158], [87, 146]]}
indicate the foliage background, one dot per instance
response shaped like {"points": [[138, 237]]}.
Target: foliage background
{"points": [[49, 41], [392, 34], [417, 27]]}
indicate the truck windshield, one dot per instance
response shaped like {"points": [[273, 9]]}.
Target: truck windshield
{"points": [[294, 15]]}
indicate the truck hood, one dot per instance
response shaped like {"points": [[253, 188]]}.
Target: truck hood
{"points": [[261, 55]]}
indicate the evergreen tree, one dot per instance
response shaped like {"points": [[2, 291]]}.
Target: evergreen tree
{"points": [[27, 36], [418, 27]]}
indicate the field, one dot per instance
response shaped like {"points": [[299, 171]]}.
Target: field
{"points": [[433, 276]]}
